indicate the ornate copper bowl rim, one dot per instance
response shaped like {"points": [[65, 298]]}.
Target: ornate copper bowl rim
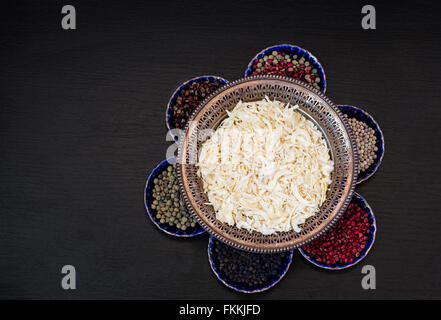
{"points": [[275, 246]]}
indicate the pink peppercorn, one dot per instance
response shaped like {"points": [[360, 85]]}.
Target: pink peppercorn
{"points": [[345, 241], [286, 64]]}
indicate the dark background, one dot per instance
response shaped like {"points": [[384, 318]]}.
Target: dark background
{"points": [[82, 125]]}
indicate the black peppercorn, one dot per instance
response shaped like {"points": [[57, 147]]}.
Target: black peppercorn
{"points": [[247, 269]]}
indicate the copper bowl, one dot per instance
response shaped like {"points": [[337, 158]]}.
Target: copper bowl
{"points": [[316, 107]]}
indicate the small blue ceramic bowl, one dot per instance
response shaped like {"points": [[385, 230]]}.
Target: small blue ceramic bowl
{"points": [[357, 199], [148, 199], [240, 287], [361, 115], [291, 49], [171, 102]]}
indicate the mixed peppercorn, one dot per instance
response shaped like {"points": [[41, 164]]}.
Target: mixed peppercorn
{"points": [[189, 98], [250, 270], [345, 242], [366, 143], [168, 203], [286, 64]]}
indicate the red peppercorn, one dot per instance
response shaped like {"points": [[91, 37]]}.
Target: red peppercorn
{"points": [[345, 241], [293, 68]]}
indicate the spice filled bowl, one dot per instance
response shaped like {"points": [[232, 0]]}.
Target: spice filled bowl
{"points": [[290, 61], [348, 242], [244, 198], [164, 203], [370, 140], [186, 98], [247, 272]]}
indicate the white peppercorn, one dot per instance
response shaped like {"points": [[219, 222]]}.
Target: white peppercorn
{"points": [[366, 143]]}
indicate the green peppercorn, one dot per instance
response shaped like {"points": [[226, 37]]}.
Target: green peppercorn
{"points": [[168, 202]]}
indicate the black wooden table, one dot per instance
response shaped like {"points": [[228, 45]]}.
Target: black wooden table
{"points": [[82, 125]]}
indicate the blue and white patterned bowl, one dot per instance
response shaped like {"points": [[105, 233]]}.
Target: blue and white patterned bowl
{"points": [[177, 92], [148, 199], [239, 287], [291, 49], [361, 115], [357, 199]]}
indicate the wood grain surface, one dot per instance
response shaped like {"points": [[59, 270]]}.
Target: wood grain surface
{"points": [[82, 125]]}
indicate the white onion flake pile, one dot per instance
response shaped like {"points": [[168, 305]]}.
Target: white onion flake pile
{"points": [[266, 167]]}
